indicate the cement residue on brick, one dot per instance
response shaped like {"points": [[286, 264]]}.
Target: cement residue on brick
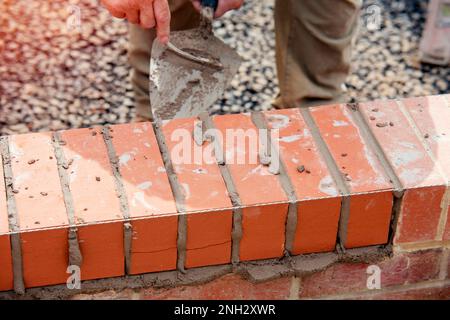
{"points": [[13, 219], [236, 234], [342, 186], [286, 183], [178, 195], [121, 194]]}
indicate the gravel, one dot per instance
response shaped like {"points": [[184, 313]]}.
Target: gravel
{"points": [[54, 75]]}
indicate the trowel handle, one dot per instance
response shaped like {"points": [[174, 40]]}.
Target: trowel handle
{"points": [[210, 4]]}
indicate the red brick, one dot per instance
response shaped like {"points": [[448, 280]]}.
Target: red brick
{"points": [[410, 268], [394, 271], [399, 270], [208, 233], [319, 202], [431, 116], [423, 265], [371, 193], [40, 207], [6, 275], [229, 287], [339, 278], [420, 212], [203, 228], [436, 293], [44, 257], [154, 243], [446, 235], [448, 266], [95, 203], [263, 225]]}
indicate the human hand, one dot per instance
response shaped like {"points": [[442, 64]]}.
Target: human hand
{"points": [[146, 13], [223, 6]]}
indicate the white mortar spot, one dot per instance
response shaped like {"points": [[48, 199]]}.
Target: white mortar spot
{"points": [[145, 185], [14, 150], [259, 170], [187, 190], [407, 144], [403, 158], [137, 130], [139, 197], [412, 176], [279, 121], [214, 193], [123, 159], [291, 138], [74, 168], [326, 185], [200, 171], [340, 123], [21, 178]]}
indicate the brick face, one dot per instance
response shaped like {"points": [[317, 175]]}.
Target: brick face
{"points": [[319, 202], [45, 257], [446, 235], [149, 194], [6, 276], [229, 287], [340, 278], [368, 222], [93, 189], [421, 211], [40, 205], [255, 186], [209, 239], [448, 266], [208, 234], [6, 279], [158, 235], [430, 115], [420, 214], [317, 225]]}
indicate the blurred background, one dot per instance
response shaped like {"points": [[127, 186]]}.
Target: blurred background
{"points": [[63, 63]]}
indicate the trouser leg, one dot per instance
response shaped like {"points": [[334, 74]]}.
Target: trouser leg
{"points": [[141, 40], [313, 46]]}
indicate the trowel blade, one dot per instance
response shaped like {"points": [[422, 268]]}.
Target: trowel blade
{"points": [[180, 88]]}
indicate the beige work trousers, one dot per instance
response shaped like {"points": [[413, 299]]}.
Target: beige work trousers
{"points": [[313, 48]]}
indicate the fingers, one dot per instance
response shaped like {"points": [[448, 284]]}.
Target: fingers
{"points": [[133, 16], [162, 17], [147, 16], [115, 12], [227, 5], [197, 5]]}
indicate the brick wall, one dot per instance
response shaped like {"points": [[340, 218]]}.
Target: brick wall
{"points": [[133, 199]]}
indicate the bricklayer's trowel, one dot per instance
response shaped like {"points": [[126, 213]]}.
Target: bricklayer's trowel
{"points": [[435, 44], [191, 72]]}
